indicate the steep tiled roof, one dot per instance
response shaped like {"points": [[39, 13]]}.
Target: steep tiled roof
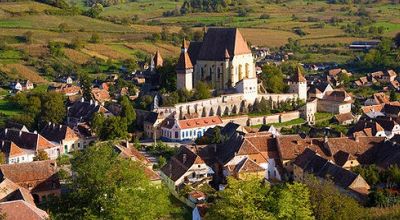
{"points": [[290, 146], [247, 165], [19, 209], [10, 149], [57, 133], [179, 164], [338, 96], [313, 163], [101, 95], [36, 176], [199, 122], [380, 98], [26, 140], [184, 61], [11, 191], [344, 117], [85, 110], [217, 40]]}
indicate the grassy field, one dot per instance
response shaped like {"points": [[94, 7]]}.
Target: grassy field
{"points": [[7, 108], [123, 41]]}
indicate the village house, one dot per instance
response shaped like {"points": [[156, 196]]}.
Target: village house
{"points": [[82, 112], [128, 151], [151, 125], [342, 151], [39, 177], [242, 156], [156, 61], [344, 119], [319, 89], [67, 90], [14, 154], [185, 167], [21, 85], [11, 191], [187, 129], [378, 127], [20, 209], [335, 102], [62, 135], [310, 162], [377, 99], [31, 143], [101, 95]]}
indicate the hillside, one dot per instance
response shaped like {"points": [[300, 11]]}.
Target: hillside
{"points": [[132, 30]]}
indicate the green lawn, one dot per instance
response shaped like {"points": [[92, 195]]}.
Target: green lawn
{"points": [[8, 109], [322, 116], [297, 121]]}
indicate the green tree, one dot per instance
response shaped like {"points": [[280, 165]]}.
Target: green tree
{"points": [[95, 10], [344, 78], [97, 122], [272, 78], [86, 85], [95, 38], [293, 202], [241, 200], [393, 95], [202, 91], [329, 203], [106, 186], [167, 75], [114, 128], [77, 43], [53, 108], [127, 111], [41, 155]]}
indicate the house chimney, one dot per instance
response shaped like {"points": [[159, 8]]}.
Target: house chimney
{"points": [[325, 139], [184, 158], [83, 99], [35, 132], [91, 102], [20, 133], [127, 144], [5, 131]]}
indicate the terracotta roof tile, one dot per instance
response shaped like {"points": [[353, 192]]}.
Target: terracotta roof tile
{"points": [[199, 122], [17, 210]]}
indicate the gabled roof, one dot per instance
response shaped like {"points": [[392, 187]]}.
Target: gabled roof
{"points": [[37, 175], [58, 133], [219, 40], [181, 162], [10, 149], [290, 146], [313, 163], [11, 191], [199, 122], [19, 209], [26, 140], [248, 166]]}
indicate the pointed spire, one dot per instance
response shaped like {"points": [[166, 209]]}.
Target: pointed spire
{"points": [[158, 60], [184, 61], [298, 76], [227, 56]]}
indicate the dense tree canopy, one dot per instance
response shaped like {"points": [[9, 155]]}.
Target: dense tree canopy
{"points": [[253, 199], [108, 187], [272, 78], [39, 108]]}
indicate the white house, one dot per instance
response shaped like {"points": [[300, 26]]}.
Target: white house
{"points": [[188, 129]]}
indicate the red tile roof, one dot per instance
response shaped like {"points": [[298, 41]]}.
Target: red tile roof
{"points": [[19, 210], [199, 122]]}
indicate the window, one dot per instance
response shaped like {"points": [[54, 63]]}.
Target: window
{"points": [[176, 134]]}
